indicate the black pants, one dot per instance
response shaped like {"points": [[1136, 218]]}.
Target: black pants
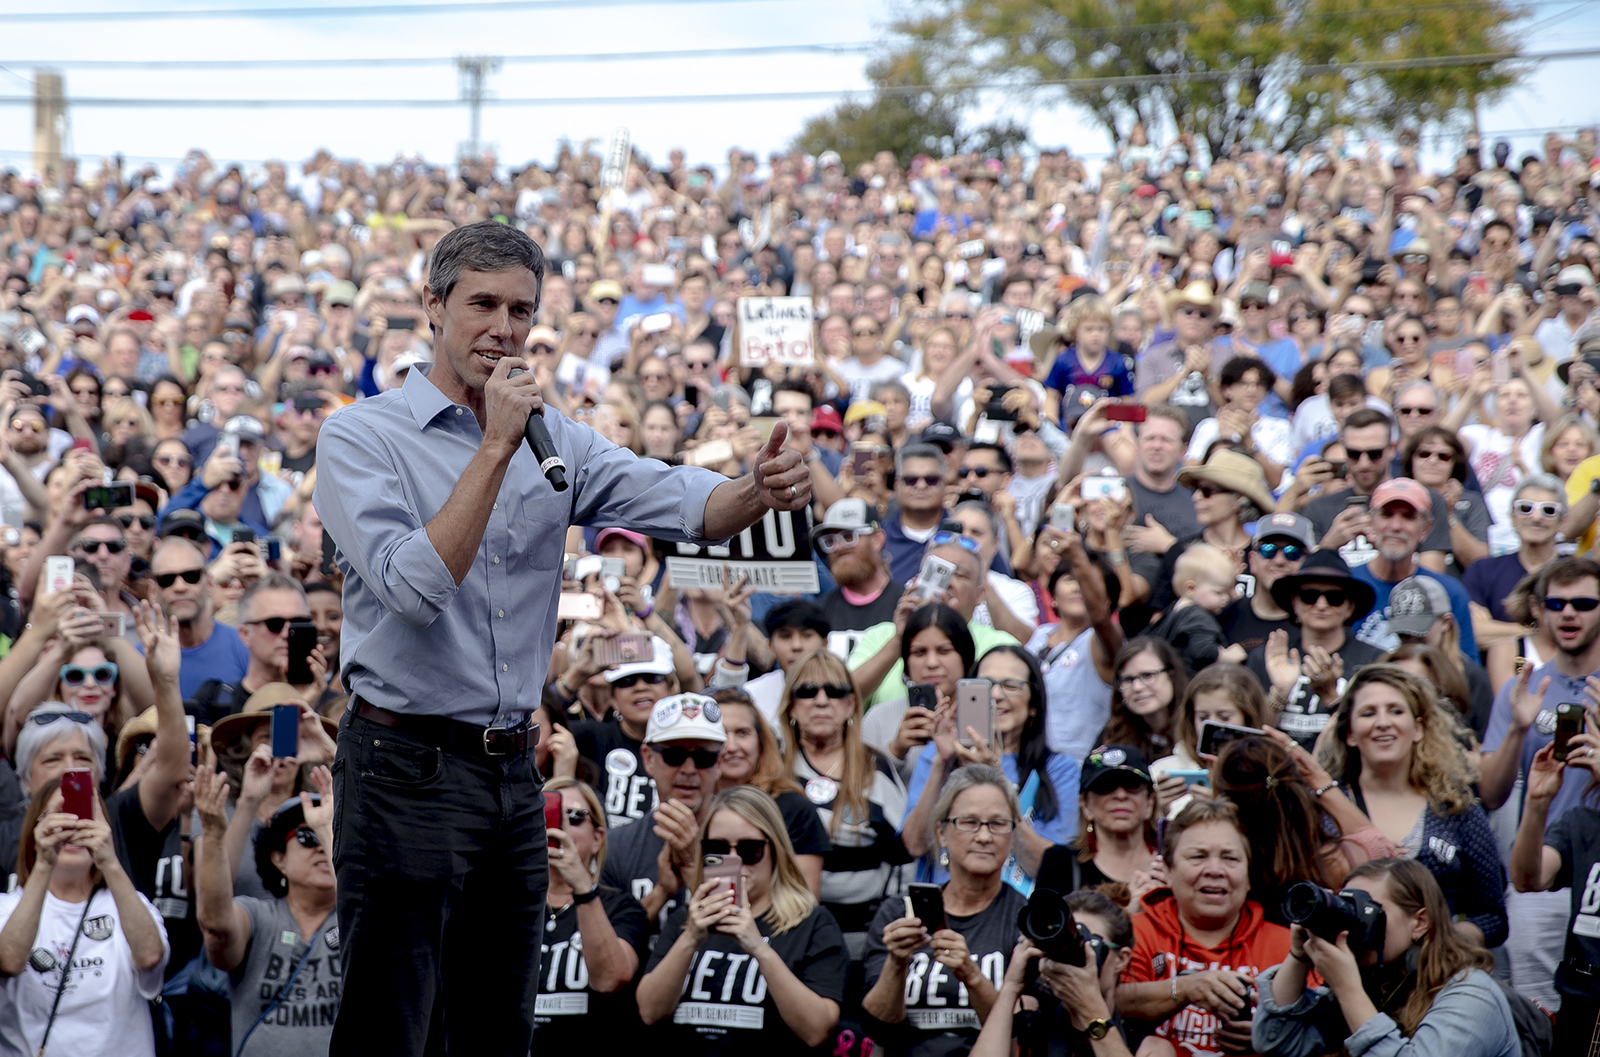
{"points": [[1575, 1024], [442, 876]]}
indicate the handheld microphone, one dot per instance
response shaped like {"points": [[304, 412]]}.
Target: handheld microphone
{"points": [[544, 449]]}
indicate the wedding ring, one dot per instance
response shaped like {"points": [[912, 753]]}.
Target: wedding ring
{"points": [[793, 491]]}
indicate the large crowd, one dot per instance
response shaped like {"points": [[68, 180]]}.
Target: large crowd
{"points": [[1202, 553]]}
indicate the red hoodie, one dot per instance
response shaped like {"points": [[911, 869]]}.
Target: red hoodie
{"points": [[1161, 950]]}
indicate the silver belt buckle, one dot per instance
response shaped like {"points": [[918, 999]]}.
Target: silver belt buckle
{"points": [[497, 741]]}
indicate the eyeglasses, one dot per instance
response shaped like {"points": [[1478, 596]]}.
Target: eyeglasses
{"points": [[1000, 827], [32, 425], [146, 521], [307, 837], [1291, 551], [1336, 596], [1205, 489], [1190, 310], [1409, 339], [44, 719], [1012, 687], [275, 625], [189, 576], [1582, 605], [92, 546], [675, 755], [980, 472], [1435, 455], [833, 542], [835, 692], [750, 851], [1409, 411], [929, 481], [577, 816], [1145, 679], [1369, 454], [653, 678], [103, 674], [966, 543], [1527, 508]]}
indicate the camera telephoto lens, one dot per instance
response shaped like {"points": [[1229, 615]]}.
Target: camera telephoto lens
{"points": [[1325, 914]]}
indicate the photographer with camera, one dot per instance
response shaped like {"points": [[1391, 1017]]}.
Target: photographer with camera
{"points": [[1399, 979]]}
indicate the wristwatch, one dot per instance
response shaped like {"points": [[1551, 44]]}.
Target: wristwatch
{"points": [[588, 897], [1097, 1029], [1594, 486], [1119, 557]]}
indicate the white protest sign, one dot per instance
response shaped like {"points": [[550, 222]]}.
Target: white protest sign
{"points": [[775, 330]]}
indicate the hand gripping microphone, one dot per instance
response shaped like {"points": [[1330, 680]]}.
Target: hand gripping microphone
{"points": [[544, 449]]}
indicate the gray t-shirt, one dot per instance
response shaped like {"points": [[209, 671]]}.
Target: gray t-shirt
{"points": [[1174, 508], [303, 1022]]}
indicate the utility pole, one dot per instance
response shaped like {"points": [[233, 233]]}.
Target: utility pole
{"points": [[49, 120], [475, 71]]}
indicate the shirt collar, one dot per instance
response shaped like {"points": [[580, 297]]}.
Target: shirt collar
{"points": [[425, 399]]}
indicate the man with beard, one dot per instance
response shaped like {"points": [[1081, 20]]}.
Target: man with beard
{"points": [[1279, 549], [852, 543], [211, 651], [1523, 721], [1402, 518]]}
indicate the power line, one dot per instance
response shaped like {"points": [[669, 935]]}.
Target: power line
{"points": [[360, 11], [440, 60]]}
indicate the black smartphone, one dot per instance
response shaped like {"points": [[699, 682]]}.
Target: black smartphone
{"points": [[922, 695], [925, 902], [244, 535], [1569, 723], [329, 550], [1213, 736], [108, 496], [302, 640], [274, 549], [308, 402], [996, 411], [400, 323], [691, 395], [1340, 468], [1362, 502]]}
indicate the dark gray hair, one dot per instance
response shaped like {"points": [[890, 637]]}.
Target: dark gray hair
{"points": [[917, 451], [269, 582], [486, 246], [36, 735]]}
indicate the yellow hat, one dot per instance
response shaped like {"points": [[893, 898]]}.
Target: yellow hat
{"points": [[863, 409]]}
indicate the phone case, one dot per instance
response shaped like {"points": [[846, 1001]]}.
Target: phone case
{"points": [[302, 640], [285, 731], [725, 868], [57, 574], [1570, 722], [77, 792], [934, 576], [629, 648], [922, 695], [925, 902], [975, 709], [552, 814]]}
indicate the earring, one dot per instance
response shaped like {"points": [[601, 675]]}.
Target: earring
{"points": [[944, 857], [1090, 828]]}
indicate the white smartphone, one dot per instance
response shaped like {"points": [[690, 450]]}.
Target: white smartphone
{"points": [[57, 573], [932, 579], [657, 323], [1098, 487]]}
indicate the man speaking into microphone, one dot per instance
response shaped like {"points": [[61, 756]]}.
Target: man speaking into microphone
{"points": [[451, 541]]}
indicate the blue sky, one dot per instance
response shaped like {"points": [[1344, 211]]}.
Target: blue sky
{"points": [[1555, 95]]}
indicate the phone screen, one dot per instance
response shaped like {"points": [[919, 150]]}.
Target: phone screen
{"points": [[285, 731], [552, 814], [1569, 724], [302, 640]]}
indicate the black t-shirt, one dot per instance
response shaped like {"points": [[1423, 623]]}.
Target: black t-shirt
{"points": [[727, 1008], [1193, 633], [847, 621], [1306, 714], [303, 464], [1576, 836], [567, 1010], [155, 862], [939, 1015], [806, 831], [1240, 624], [629, 793], [631, 856]]}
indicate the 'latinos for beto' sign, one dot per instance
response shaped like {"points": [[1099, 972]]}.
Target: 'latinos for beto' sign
{"points": [[775, 330]]}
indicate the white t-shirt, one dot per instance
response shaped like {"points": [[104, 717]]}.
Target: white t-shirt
{"points": [[104, 1008], [1499, 474], [1015, 594], [1271, 436], [922, 389], [862, 378]]}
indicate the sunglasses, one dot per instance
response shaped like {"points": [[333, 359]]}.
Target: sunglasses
{"points": [[233, 484], [1336, 596], [980, 472], [103, 674], [929, 481], [1409, 411], [1201, 312], [189, 576], [92, 546], [751, 850], [838, 541], [306, 837], [1527, 508], [44, 719], [146, 521], [577, 816], [275, 625], [31, 425], [966, 543], [1291, 551], [1206, 490], [1370, 454], [1582, 605], [172, 400], [806, 691], [635, 679], [675, 755]]}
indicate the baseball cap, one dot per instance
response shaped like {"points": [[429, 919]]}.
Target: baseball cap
{"points": [[826, 419], [246, 427], [604, 288], [637, 539], [183, 522], [543, 334], [863, 409], [407, 360], [660, 663], [1109, 760], [1571, 275], [685, 717], [287, 284], [827, 158], [1414, 604], [844, 515], [342, 292], [796, 613], [941, 435], [1403, 490], [1294, 526], [85, 313]]}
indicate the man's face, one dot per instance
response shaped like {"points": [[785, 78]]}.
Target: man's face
{"points": [[603, 309], [980, 469], [28, 433], [1414, 410], [1343, 409], [303, 425], [791, 644], [180, 598], [1400, 528], [655, 378], [854, 563], [921, 485], [1193, 323], [1269, 571], [1160, 445], [685, 783], [487, 316], [1369, 453], [974, 524], [269, 649], [138, 525], [794, 409], [96, 543], [227, 393], [1574, 632], [967, 583]]}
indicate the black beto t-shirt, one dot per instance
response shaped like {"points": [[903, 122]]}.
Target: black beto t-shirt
{"points": [[1576, 836], [566, 1011], [155, 862], [806, 831], [937, 1004], [629, 793], [631, 856], [1240, 624], [1306, 714], [726, 1006]]}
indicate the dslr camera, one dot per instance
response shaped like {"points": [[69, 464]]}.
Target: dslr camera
{"points": [[1048, 923], [1325, 914]]}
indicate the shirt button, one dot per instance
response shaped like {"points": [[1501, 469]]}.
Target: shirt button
{"points": [[495, 507], [497, 559], [459, 410], [505, 667], [501, 614]]}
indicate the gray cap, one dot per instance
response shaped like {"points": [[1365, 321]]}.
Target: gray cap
{"points": [[843, 515], [1414, 604], [246, 427], [1295, 526]]}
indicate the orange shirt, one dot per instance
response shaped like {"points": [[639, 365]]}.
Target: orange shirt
{"points": [[1162, 949]]}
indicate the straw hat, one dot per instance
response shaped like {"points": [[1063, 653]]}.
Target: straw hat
{"points": [[1196, 293], [1228, 469], [258, 710], [144, 724]]}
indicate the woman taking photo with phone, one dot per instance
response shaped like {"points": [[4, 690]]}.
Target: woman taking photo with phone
{"points": [[749, 963], [943, 1006], [1425, 991]]}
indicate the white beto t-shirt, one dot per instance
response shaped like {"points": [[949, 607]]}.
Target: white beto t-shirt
{"points": [[104, 1007]]}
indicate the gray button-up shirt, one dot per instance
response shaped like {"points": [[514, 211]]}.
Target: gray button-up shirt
{"points": [[414, 641]]}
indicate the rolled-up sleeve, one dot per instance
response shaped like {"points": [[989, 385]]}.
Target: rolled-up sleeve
{"points": [[391, 552], [615, 487]]}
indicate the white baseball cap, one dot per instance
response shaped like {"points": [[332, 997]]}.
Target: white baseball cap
{"points": [[685, 717], [659, 664]]}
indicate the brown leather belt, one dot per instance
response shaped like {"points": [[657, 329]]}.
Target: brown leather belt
{"points": [[451, 735]]}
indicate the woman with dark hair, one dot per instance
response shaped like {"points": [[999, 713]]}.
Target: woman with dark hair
{"points": [[1117, 841], [936, 649], [1079, 693], [85, 387], [169, 406], [1043, 778], [1147, 687], [1435, 457]]}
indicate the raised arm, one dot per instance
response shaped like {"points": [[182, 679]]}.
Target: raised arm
{"points": [[162, 788], [224, 923]]}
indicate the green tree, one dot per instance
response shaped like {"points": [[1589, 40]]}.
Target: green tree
{"points": [[893, 119], [1273, 73]]}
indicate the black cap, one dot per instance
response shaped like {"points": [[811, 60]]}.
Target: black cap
{"points": [[289, 817], [182, 522], [1110, 760], [941, 435], [796, 613]]}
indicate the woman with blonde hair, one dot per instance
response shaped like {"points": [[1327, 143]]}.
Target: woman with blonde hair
{"points": [[618, 422], [594, 937], [752, 961], [1567, 443], [1392, 749], [857, 792]]}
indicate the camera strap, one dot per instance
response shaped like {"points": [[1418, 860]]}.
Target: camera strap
{"points": [[61, 985]]}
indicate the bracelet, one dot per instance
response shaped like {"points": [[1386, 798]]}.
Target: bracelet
{"points": [[1318, 792], [588, 897], [1302, 959], [646, 614], [563, 690], [1175, 989]]}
